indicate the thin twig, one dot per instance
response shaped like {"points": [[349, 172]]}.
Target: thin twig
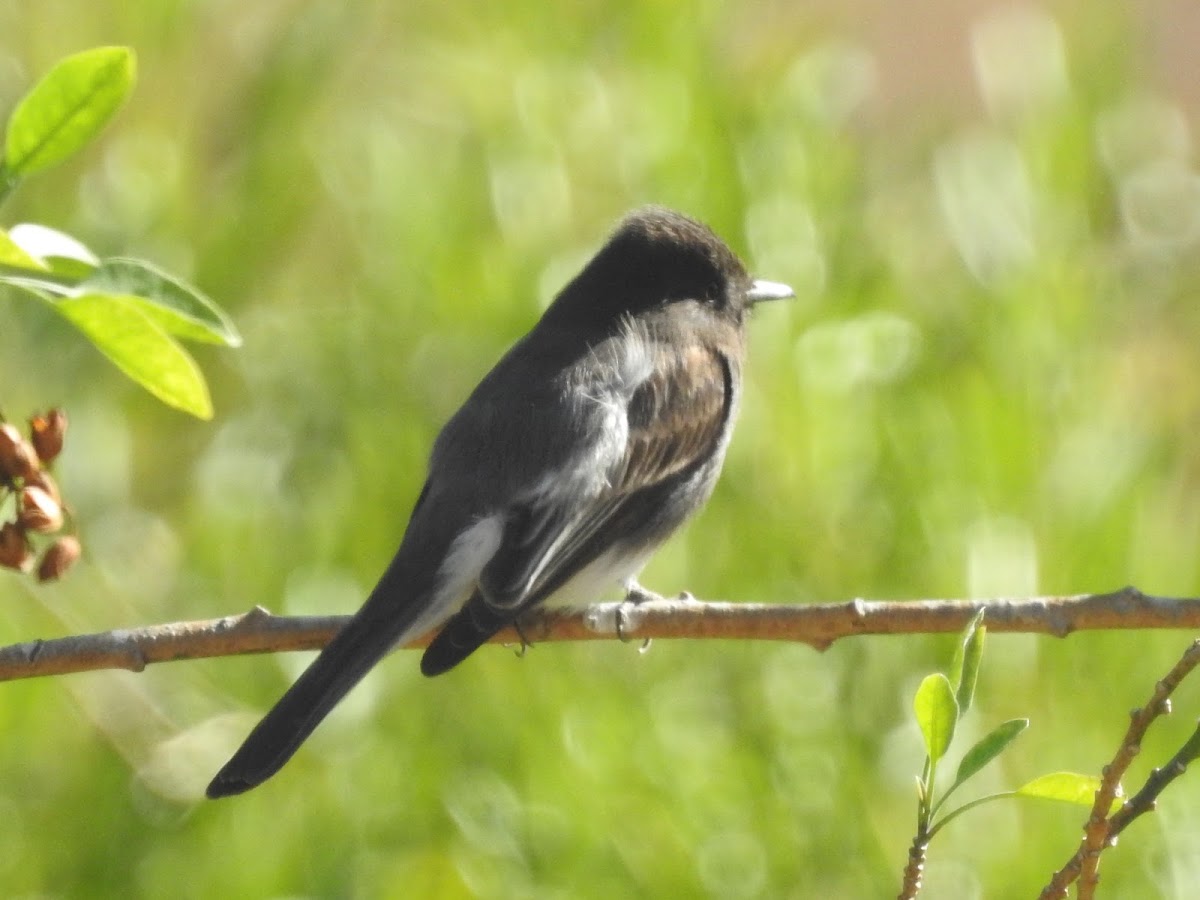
{"points": [[818, 625], [1101, 829], [1143, 801]]}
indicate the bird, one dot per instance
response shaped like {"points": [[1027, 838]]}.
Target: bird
{"points": [[591, 441]]}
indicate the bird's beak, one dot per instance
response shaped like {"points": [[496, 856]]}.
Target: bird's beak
{"points": [[768, 290]]}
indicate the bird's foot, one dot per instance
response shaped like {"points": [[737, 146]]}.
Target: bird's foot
{"points": [[526, 643], [635, 595]]}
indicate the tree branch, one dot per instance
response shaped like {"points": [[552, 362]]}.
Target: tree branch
{"points": [[1101, 829], [818, 625]]}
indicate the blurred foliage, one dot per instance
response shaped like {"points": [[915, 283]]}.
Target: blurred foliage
{"points": [[986, 388]]}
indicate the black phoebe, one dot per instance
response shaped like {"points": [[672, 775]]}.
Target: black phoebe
{"points": [[588, 444]]}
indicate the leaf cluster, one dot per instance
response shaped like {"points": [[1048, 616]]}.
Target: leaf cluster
{"points": [[940, 703], [130, 310]]}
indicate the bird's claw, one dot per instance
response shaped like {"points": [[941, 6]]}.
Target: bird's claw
{"points": [[525, 642], [635, 594]]}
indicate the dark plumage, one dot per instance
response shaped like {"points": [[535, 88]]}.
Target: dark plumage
{"points": [[595, 437]]}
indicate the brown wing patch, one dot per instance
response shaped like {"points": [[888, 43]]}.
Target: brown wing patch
{"points": [[676, 416]]}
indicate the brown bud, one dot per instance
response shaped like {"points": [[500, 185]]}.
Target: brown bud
{"points": [[47, 433], [14, 549], [46, 482], [59, 557], [39, 512], [17, 458]]}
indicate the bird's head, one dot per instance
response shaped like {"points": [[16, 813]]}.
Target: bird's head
{"points": [[655, 257]]}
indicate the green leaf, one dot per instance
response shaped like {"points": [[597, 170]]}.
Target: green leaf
{"points": [[988, 748], [11, 254], [37, 280], [175, 306], [1066, 787], [140, 348], [67, 108], [49, 244], [964, 670], [937, 714], [67, 268], [70, 268], [61, 260]]}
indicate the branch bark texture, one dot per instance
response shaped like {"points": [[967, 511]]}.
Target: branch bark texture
{"points": [[818, 625]]}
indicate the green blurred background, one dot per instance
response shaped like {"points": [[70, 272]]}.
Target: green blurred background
{"points": [[986, 387]]}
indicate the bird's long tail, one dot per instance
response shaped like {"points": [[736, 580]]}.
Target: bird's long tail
{"points": [[364, 640]]}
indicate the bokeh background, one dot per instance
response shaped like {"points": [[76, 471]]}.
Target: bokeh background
{"points": [[987, 386]]}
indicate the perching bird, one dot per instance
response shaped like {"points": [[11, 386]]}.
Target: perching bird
{"points": [[595, 437]]}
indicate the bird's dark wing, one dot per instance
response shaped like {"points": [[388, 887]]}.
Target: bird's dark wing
{"points": [[677, 418]]}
